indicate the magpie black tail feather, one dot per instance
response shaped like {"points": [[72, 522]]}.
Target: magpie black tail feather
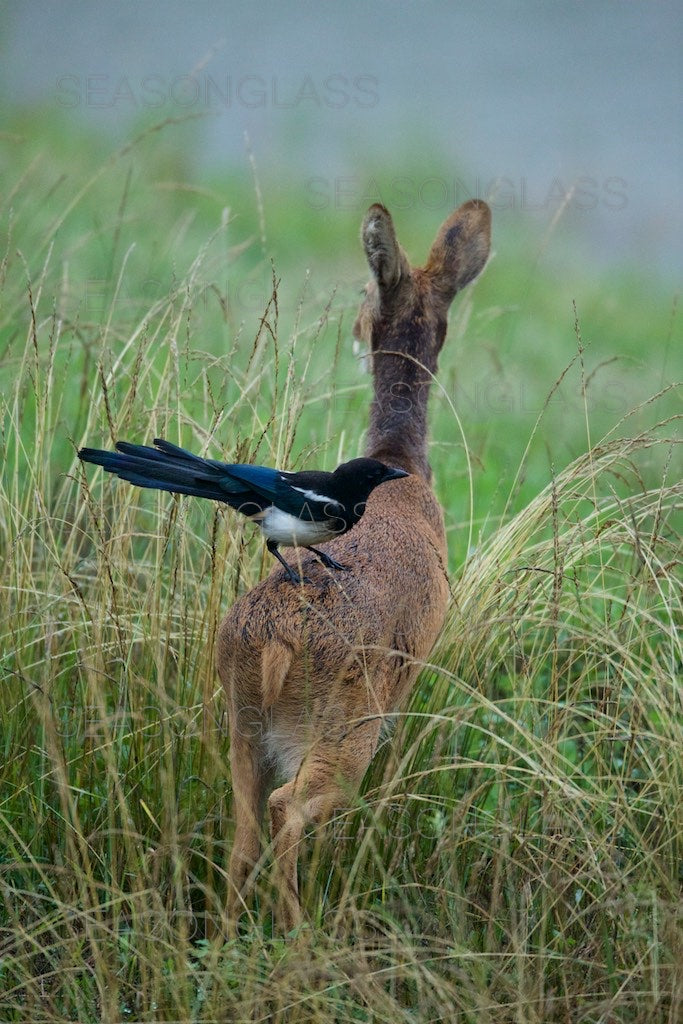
{"points": [[166, 468]]}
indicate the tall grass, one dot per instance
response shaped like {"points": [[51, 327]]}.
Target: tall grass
{"points": [[513, 854]]}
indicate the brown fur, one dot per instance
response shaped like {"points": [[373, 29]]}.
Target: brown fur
{"points": [[311, 670]]}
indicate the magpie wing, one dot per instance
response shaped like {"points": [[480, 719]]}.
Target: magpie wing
{"points": [[260, 479], [304, 502]]}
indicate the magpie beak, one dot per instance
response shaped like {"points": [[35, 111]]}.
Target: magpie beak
{"points": [[293, 509]]}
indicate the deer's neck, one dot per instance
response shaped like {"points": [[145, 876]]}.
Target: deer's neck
{"points": [[397, 433]]}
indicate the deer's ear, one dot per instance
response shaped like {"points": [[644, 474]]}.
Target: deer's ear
{"points": [[384, 255], [460, 250]]}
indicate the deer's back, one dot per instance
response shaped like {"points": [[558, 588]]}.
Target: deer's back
{"points": [[323, 638]]}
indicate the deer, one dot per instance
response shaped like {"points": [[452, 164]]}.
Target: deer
{"points": [[311, 672]]}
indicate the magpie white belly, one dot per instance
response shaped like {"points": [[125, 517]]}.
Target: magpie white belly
{"points": [[282, 528]]}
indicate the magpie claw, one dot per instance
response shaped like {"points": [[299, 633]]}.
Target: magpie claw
{"points": [[328, 561], [332, 563], [293, 577]]}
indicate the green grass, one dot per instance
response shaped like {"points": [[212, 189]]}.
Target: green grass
{"points": [[513, 855]]}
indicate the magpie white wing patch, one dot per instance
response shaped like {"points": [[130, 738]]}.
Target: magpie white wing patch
{"points": [[313, 496]]}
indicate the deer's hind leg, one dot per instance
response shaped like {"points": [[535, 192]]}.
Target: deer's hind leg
{"points": [[251, 780], [329, 774], [252, 766]]}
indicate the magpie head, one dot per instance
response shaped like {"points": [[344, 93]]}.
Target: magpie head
{"points": [[354, 481], [366, 473]]}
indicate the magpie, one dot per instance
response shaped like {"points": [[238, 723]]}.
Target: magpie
{"points": [[294, 509]]}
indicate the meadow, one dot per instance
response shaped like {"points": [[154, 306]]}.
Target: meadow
{"points": [[513, 855]]}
